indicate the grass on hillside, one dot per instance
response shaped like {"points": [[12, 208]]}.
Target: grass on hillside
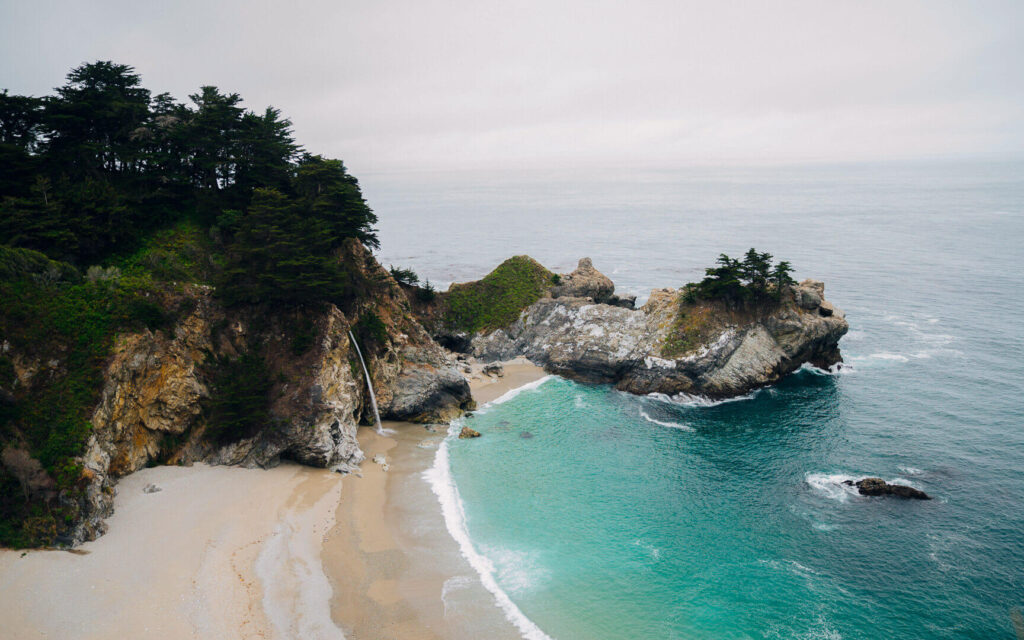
{"points": [[693, 327], [498, 299], [182, 253]]}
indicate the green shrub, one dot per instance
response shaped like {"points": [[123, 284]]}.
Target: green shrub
{"points": [[371, 332], [20, 263], [239, 400], [426, 293], [405, 277], [303, 333], [498, 299], [79, 322]]}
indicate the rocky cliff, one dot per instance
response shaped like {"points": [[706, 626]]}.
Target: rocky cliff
{"points": [[581, 330], [157, 387]]}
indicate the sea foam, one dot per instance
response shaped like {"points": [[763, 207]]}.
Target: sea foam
{"points": [[674, 425], [831, 485], [688, 400], [508, 395]]}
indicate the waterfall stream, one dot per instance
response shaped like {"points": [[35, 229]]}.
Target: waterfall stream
{"points": [[369, 383]]}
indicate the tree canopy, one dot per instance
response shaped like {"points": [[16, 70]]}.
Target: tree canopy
{"points": [[90, 172], [752, 279]]}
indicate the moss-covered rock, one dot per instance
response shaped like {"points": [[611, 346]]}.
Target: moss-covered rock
{"points": [[497, 300]]}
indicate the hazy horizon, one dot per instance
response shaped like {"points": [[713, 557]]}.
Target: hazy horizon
{"points": [[399, 86]]}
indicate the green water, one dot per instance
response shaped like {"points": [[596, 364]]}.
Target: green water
{"points": [[606, 525]]}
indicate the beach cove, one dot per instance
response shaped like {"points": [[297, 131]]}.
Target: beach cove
{"points": [[293, 551]]}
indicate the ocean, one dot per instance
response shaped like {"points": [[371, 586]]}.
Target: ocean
{"points": [[591, 513]]}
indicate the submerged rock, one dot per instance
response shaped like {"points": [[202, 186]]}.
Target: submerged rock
{"points": [[469, 433], [525, 435], [879, 487]]}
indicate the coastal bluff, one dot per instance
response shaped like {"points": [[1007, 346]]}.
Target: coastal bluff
{"points": [[578, 328], [156, 405]]}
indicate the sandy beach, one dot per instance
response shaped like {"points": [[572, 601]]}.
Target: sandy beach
{"points": [[227, 552]]}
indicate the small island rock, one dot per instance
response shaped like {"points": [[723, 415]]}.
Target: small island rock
{"points": [[879, 487], [468, 433]]}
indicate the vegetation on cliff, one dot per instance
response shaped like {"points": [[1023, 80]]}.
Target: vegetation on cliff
{"points": [[111, 200], [737, 282], [732, 292], [497, 300]]}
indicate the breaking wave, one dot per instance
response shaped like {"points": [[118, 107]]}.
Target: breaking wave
{"points": [[674, 425], [439, 477]]}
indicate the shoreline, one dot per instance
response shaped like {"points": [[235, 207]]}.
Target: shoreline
{"points": [[395, 569], [291, 551]]}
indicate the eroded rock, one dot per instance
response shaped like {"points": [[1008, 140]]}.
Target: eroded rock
{"points": [[584, 282]]}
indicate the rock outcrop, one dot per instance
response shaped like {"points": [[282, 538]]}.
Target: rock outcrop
{"points": [[669, 346], [879, 487], [584, 282]]}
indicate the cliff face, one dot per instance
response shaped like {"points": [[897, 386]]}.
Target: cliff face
{"points": [[670, 346], [154, 404]]}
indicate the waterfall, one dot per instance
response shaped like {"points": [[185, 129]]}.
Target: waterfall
{"points": [[369, 384]]}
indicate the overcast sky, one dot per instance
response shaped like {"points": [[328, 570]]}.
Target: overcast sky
{"points": [[393, 85]]}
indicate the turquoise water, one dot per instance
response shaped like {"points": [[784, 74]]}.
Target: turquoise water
{"points": [[631, 517]]}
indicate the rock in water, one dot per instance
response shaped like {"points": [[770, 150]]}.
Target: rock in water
{"points": [[525, 435], [879, 487], [468, 433]]}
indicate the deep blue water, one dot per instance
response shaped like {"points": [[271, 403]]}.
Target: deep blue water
{"points": [[629, 517]]}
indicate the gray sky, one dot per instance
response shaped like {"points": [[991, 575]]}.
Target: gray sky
{"points": [[391, 85]]}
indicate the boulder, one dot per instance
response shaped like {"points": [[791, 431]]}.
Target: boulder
{"points": [[494, 369], [468, 433], [584, 282], [879, 487], [809, 294], [151, 488], [626, 302]]}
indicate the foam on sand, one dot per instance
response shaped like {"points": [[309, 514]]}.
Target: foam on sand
{"points": [[511, 393]]}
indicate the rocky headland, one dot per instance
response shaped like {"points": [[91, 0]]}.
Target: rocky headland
{"points": [[578, 328]]}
